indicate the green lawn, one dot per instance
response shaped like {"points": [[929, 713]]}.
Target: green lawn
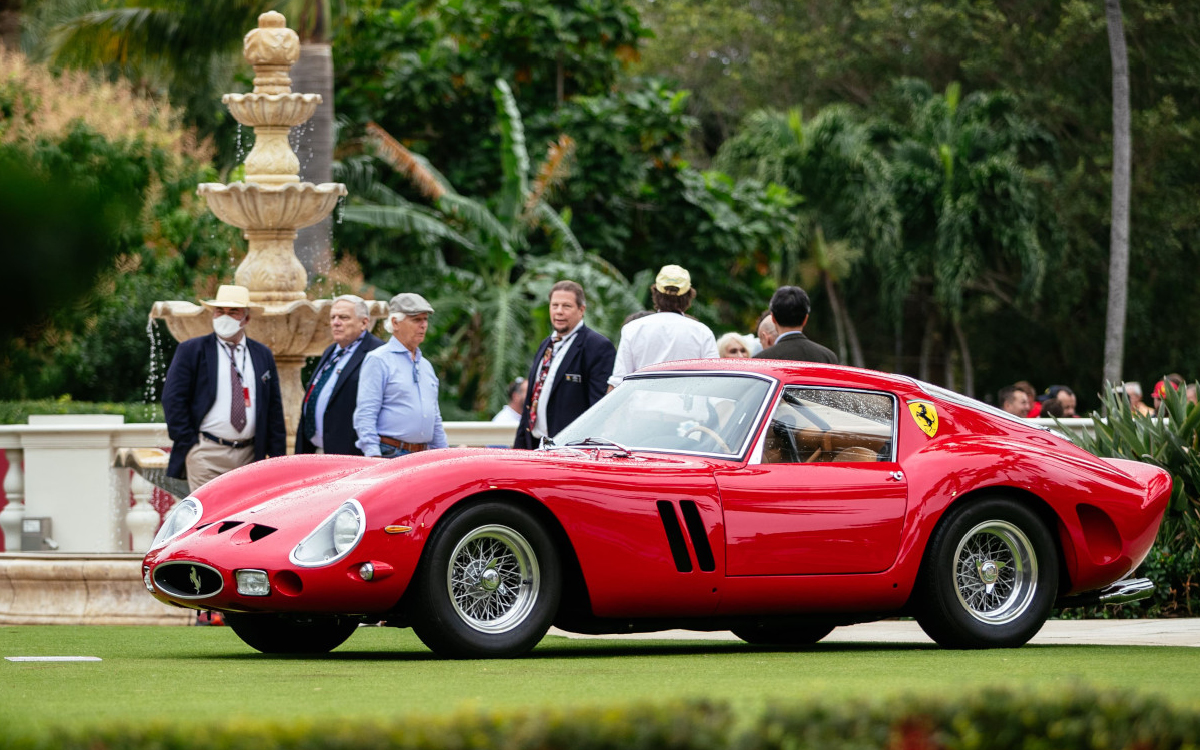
{"points": [[204, 675]]}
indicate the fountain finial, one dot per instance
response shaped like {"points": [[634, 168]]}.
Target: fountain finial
{"points": [[272, 49]]}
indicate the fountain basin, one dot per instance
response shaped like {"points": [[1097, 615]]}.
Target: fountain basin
{"points": [[290, 206], [260, 110]]}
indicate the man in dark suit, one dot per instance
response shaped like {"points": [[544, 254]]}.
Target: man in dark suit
{"points": [[789, 310], [570, 371], [221, 397], [327, 413]]}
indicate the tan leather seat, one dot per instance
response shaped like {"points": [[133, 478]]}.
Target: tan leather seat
{"points": [[857, 453]]}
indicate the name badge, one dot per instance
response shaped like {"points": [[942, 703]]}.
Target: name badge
{"points": [[573, 377]]}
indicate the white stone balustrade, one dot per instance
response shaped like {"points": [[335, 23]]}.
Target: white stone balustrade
{"points": [[74, 470]]}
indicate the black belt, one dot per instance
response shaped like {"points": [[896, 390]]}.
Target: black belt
{"points": [[229, 443]]}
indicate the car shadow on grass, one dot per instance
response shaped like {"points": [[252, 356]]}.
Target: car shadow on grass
{"points": [[587, 649]]}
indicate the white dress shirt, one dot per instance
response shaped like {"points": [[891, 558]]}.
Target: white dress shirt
{"points": [[216, 421], [661, 337], [560, 351]]}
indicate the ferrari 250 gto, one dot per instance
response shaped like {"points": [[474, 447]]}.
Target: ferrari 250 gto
{"points": [[777, 500]]}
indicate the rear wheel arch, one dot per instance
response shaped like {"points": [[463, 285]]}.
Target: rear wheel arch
{"points": [[990, 571], [1035, 503]]}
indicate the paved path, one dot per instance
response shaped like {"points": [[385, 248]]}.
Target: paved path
{"points": [[1168, 632]]}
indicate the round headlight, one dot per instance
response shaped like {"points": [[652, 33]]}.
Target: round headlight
{"points": [[181, 518], [345, 528]]}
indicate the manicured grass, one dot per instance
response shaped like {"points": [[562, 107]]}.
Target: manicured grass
{"points": [[205, 675]]}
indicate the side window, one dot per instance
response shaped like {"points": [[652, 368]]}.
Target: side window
{"points": [[812, 425]]}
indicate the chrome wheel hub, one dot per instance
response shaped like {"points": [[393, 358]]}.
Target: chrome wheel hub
{"points": [[493, 579], [995, 572]]}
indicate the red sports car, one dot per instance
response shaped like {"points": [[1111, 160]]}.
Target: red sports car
{"points": [[777, 500]]}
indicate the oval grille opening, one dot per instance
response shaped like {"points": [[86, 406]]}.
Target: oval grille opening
{"points": [[188, 580]]}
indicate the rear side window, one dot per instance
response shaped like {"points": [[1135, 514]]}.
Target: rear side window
{"points": [[811, 425]]}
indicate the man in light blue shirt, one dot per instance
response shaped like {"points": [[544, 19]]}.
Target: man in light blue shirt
{"points": [[397, 411]]}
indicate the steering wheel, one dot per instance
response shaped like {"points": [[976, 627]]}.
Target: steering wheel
{"points": [[712, 434]]}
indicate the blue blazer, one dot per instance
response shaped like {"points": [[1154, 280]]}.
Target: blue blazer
{"points": [[339, 434], [191, 389], [581, 380]]}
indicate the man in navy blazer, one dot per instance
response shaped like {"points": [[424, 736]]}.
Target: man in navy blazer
{"points": [[570, 371], [327, 412], [221, 397]]}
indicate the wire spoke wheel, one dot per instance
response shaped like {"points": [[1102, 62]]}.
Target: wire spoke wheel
{"points": [[493, 578], [995, 572]]}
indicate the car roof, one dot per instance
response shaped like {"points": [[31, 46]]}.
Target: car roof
{"points": [[789, 372]]}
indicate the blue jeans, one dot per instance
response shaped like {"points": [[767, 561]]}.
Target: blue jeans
{"points": [[391, 451]]}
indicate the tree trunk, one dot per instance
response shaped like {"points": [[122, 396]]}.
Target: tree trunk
{"points": [[10, 24], [856, 351], [964, 353], [313, 141], [925, 366], [835, 305], [1118, 264]]}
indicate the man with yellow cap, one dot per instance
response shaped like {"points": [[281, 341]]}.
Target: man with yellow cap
{"points": [[666, 335]]}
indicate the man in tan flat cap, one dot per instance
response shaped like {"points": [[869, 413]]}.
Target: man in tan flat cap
{"points": [[221, 397]]}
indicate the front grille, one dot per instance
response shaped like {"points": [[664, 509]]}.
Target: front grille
{"points": [[188, 580]]}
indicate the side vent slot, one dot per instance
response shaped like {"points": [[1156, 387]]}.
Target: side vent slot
{"points": [[227, 525], [670, 522], [695, 527], [257, 531]]}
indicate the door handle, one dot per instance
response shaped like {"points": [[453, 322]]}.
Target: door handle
{"points": [[896, 476]]}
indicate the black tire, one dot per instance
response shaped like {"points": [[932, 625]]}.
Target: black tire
{"points": [[291, 634], [783, 633], [989, 577], [488, 585]]}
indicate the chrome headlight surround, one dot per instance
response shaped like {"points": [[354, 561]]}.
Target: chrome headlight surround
{"points": [[182, 517], [333, 538]]}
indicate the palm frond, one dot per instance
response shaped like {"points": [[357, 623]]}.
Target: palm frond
{"points": [[477, 215], [558, 229], [406, 162], [405, 218], [513, 155], [552, 173]]}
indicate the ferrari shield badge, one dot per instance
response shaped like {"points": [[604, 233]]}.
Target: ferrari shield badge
{"points": [[925, 415]]}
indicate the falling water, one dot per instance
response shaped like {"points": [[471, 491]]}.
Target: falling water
{"points": [[341, 208], [157, 369], [240, 154]]}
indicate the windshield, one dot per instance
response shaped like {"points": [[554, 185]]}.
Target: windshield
{"points": [[710, 413]]}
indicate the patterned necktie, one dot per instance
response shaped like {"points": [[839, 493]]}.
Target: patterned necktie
{"points": [[237, 396], [536, 397], [314, 391]]}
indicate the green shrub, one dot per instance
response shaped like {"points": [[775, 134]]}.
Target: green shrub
{"points": [[17, 412], [1081, 718], [1169, 439]]}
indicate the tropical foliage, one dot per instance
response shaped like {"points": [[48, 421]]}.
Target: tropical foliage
{"points": [[153, 240], [485, 300], [1169, 439]]}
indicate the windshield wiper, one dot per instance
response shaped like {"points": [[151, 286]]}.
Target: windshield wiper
{"points": [[596, 442]]}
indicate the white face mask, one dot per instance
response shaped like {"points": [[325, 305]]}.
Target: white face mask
{"points": [[226, 327]]}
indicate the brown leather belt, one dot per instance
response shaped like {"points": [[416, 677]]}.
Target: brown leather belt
{"points": [[229, 443], [410, 447]]}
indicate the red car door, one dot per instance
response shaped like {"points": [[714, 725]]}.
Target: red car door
{"points": [[831, 500]]}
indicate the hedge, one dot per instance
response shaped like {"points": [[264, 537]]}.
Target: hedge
{"points": [[17, 412], [1081, 718]]}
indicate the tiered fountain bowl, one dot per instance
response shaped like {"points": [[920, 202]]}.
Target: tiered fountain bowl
{"points": [[269, 206]]}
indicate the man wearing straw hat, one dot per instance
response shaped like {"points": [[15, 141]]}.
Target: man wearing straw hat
{"points": [[221, 397]]}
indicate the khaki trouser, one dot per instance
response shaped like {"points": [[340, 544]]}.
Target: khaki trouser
{"points": [[208, 460]]}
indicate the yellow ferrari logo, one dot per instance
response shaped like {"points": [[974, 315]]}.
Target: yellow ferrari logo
{"points": [[925, 415]]}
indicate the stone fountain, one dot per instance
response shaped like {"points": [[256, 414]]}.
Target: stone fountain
{"points": [[269, 206]]}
